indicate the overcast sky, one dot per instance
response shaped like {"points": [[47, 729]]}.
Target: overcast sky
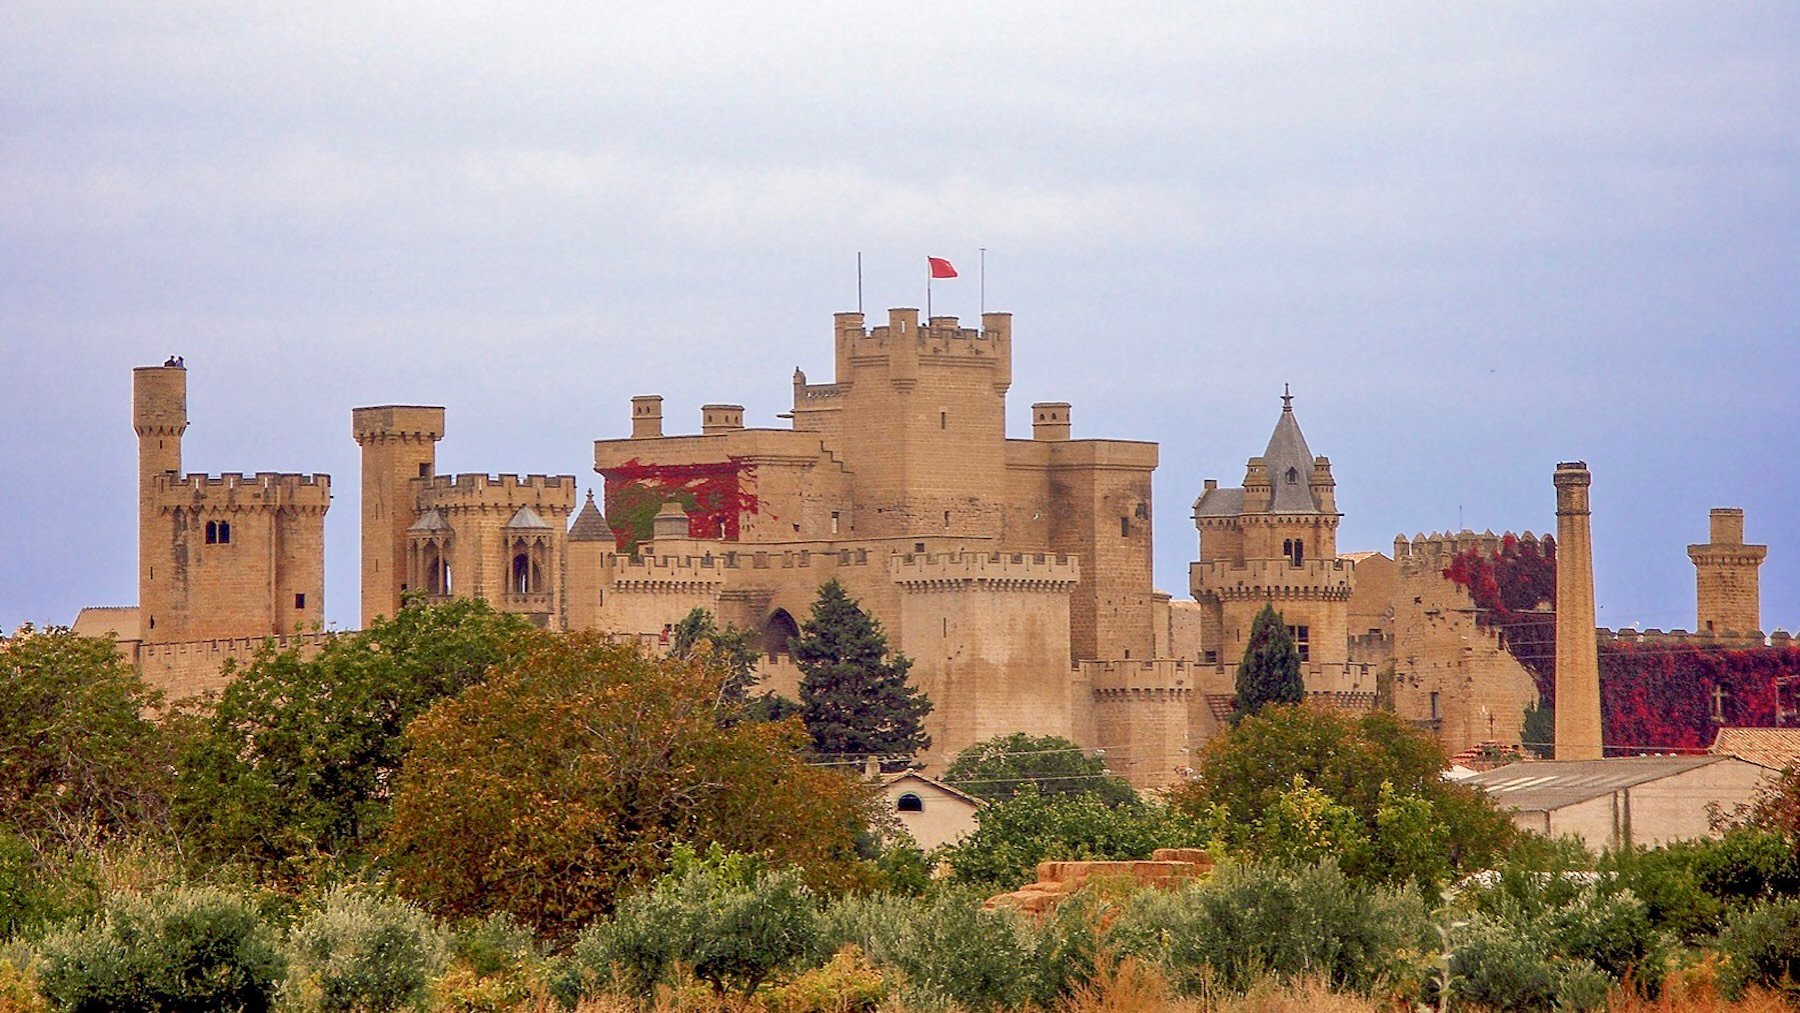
{"points": [[1476, 239]]}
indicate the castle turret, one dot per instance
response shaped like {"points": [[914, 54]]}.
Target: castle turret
{"points": [[1578, 730], [1726, 587], [399, 445], [159, 415]]}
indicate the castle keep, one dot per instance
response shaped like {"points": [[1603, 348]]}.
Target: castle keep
{"points": [[1015, 572]]}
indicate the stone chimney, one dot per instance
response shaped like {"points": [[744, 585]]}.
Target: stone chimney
{"points": [[1578, 735]]}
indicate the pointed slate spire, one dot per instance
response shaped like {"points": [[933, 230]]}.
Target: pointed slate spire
{"points": [[589, 525], [1290, 464]]}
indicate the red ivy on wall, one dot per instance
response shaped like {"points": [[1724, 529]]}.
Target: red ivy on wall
{"points": [[714, 496], [1509, 586], [1652, 695]]}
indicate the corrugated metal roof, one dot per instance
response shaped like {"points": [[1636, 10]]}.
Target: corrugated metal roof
{"points": [[1543, 785]]}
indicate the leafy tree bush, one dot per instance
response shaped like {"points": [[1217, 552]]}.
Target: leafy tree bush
{"points": [[496, 968], [1250, 921], [1762, 947], [733, 922], [854, 697], [1576, 918], [570, 774], [77, 752], [187, 948], [949, 951], [1417, 827], [733, 650], [1013, 836], [1497, 966], [998, 768], [362, 953], [1270, 671], [299, 754]]}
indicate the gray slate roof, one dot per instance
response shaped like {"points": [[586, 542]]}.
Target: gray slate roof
{"points": [[589, 526], [430, 520], [527, 518], [1219, 503], [1544, 785], [1290, 465], [1287, 452]]}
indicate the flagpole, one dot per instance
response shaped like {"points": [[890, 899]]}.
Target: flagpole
{"points": [[928, 290], [984, 281], [859, 281]]}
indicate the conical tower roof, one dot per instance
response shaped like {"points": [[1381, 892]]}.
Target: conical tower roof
{"points": [[589, 525], [1290, 464]]}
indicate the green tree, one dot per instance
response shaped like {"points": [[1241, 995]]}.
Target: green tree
{"points": [[1013, 836], [733, 921], [697, 636], [1414, 825], [1270, 671], [1001, 767], [570, 774], [77, 749], [854, 697], [298, 755]]}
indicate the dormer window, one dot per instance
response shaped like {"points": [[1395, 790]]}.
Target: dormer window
{"points": [[1293, 476]]}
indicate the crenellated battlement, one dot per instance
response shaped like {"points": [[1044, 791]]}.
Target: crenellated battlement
{"points": [[1724, 639], [1321, 579], [1020, 571], [1162, 675], [481, 490], [1436, 550], [236, 491]]}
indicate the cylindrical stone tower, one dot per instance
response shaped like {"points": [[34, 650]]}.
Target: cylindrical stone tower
{"points": [[1578, 735], [159, 415]]}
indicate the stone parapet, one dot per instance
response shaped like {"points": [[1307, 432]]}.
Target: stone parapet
{"points": [[1436, 550], [1015, 571], [1273, 579], [234, 491], [478, 489]]}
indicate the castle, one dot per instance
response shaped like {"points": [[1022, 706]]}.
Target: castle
{"points": [[1015, 572]]}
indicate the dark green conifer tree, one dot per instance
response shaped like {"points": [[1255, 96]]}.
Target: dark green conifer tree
{"points": [[854, 697], [1270, 671]]}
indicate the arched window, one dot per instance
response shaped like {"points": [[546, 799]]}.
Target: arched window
{"points": [[778, 631], [1293, 475], [218, 532], [910, 803], [224, 532], [521, 572], [435, 571]]}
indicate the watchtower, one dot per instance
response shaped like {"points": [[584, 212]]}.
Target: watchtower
{"points": [[399, 446], [918, 411], [1728, 599], [220, 557], [159, 416]]}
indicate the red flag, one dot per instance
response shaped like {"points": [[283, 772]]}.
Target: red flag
{"points": [[940, 268]]}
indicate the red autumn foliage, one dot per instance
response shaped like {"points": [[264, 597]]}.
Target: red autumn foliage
{"points": [[715, 496], [1658, 695]]}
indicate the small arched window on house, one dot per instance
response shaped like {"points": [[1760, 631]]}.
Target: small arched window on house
{"points": [[910, 803]]}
